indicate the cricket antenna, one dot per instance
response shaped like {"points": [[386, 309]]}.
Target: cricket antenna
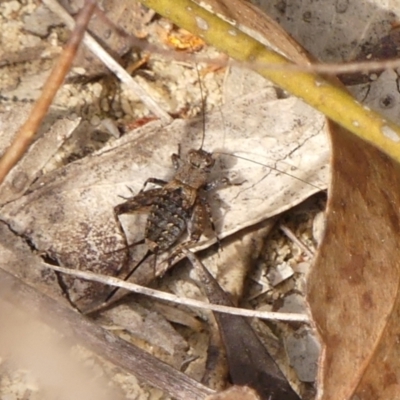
{"points": [[203, 106], [270, 167]]}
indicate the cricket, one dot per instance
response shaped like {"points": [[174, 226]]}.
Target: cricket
{"points": [[179, 205]]}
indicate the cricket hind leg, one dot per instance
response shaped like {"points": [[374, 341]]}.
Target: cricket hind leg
{"points": [[201, 215], [128, 276], [117, 293], [134, 204], [208, 216]]}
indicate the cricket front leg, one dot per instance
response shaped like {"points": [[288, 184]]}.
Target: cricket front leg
{"points": [[176, 159], [155, 181]]}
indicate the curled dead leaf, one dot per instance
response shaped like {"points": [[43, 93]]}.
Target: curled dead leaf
{"points": [[353, 288]]}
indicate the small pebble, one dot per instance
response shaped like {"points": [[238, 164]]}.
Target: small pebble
{"points": [[280, 273], [303, 350]]}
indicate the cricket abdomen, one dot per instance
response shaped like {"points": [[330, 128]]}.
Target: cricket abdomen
{"points": [[167, 220]]}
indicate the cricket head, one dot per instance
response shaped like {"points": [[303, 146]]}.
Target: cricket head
{"points": [[201, 160], [195, 169]]}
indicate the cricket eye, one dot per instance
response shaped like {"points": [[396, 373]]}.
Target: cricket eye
{"points": [[209, 162], [194, 158], [200, 159]]}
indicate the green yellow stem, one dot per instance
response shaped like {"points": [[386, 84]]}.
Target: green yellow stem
{"points": [[323, 95]]}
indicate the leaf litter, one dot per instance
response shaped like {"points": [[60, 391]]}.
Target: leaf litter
{"points": [[354, 285], [64, 204], [64, 194]]}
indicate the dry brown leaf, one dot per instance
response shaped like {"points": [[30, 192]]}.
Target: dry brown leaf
{"points": [[354, 285], [261, 26]]}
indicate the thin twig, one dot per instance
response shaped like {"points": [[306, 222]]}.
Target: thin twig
{"points": [[109, 280], [336, 68], [27, 132], [351, 67], [110, 63], [288, 232]]}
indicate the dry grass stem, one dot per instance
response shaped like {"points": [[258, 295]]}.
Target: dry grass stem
{"points": [[108, 280]]}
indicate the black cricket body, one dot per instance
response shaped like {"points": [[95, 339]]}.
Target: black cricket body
{"points": [[179, 206]]}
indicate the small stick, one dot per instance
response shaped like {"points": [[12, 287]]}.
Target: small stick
{"points": [[295, 240], [351, 67], [27, 132], [109, 280]]}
